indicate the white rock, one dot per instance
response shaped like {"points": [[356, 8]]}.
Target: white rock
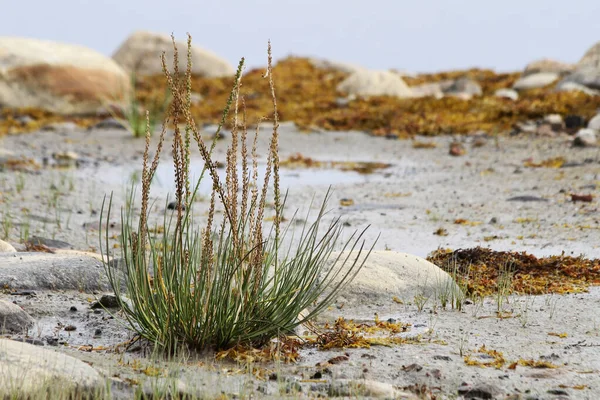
{"points": [[595, 123], [27, 371], [13, 319], [387, 275], [374, 83], [585, 137], [6, 247], [507, 94], [566, 86], [58, 77], [141, 53], [554, 119], [535, 81]]}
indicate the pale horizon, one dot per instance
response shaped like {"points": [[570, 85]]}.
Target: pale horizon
{"points": [[426, 36]]}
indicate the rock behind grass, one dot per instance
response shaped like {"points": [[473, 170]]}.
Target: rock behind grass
{"points": [[45, 271], [389, 278]]}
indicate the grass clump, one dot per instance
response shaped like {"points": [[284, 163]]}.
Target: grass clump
{"points": [[230, 282]]}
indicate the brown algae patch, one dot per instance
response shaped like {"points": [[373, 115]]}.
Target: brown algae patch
{"points": [[481, 271], [362, 167]]}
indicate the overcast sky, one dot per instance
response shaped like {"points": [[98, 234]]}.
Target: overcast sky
{"points": [[412, 35]]}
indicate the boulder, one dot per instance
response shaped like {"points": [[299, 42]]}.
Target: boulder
{"points": [[565, 86], [13, 319], [322, 63], [507, 94], [586, 76], [6, 247], [141, 51], [591, 58], [58, 77], [585, 137], [594, 123], [28, 371], [548, 65], [40, 271], [587, 71], [375, 83], [388, 277], [535, 81]]}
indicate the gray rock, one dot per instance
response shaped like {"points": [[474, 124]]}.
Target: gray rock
{"points": [[428, 90], [106, 301], [13, 319], [5, 155], [65, 158], [61, 127], [25, 119], [565, 86], [586, 76], [322, 63], [28, 371], [109, 123], [6, 247], [196, 98], [535, 81], [52, 271], [465, 86], [548, 65], [526, 127], [526, 198], [591, 58], [479, 391], [587, 72], [585, 137], [507, 94], [374, 83], [594, 123], [55, 244], [367, 388]]}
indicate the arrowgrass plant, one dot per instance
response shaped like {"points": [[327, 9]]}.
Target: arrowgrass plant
{"points": [[232, 281]]}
